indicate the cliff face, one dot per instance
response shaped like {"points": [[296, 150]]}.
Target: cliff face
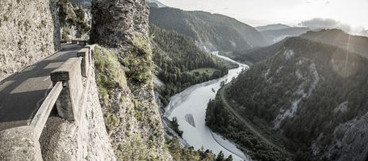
{"points": [[115, 21], [123, 68], [29, 33]]}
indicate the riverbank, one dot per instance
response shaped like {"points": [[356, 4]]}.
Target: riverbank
{"points": [[193, 101]]}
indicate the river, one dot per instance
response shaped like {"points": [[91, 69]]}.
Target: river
{"points": [[189, 107]]}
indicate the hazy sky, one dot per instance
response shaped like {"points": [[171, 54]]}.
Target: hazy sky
{"points": [[343, 13]]}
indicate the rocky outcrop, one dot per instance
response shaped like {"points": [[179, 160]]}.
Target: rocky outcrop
{"points": [[29, 32], [123, 68], [115, 21]]}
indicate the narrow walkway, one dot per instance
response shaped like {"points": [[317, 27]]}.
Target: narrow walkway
{"points": [[245, 122], [22, 93]]}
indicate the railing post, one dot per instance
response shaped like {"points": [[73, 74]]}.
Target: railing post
{"points": [[90, 55], [70, 74], [84, 53]]}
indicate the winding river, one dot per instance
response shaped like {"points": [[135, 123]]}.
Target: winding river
{"points": [[189, 107]]}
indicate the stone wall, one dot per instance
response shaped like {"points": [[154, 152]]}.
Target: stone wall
{"points": [[29, 32], [85, 138]]}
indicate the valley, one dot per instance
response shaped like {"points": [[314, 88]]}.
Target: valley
{"points": [[193, 101], [267, 112], [174, 80]]}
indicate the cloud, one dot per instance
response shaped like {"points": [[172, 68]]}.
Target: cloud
{"points": [[319, 23]]}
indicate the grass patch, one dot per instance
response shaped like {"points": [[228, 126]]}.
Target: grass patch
{"points": [[200, 71], [139, 60], [109, 72], [111, 121]]}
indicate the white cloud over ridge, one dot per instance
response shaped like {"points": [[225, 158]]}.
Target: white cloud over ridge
{"points": [[320, 23]]}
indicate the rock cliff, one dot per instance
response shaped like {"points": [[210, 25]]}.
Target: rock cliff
{"points": [[123, 66], [29, 33], [116, 21]]}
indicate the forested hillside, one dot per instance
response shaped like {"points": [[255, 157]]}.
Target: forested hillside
{"points": [[214, 31], [256, 55], [312, 94], [180, 63]]}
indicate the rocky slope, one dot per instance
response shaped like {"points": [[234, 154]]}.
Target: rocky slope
{"points": [[124, 77], [29, 32], [213, 31], [313, 94]]}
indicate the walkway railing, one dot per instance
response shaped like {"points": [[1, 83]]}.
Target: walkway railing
{"points": [[68, 95], [67, 92], [40, 119]]}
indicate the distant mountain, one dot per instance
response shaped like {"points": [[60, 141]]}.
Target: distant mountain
{"points": [[340, 39], [272, 27], [311, 93], [334, 37], [274, 36], [155, 3], [211, 31]]}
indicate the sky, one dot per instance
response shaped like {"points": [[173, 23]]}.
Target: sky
{"points": [[350, 15]]}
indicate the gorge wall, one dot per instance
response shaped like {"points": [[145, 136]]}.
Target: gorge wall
{"points": [[124, 75], [29, 33]]}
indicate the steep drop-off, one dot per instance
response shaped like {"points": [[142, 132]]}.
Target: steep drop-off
{"points": [[124, 76]]}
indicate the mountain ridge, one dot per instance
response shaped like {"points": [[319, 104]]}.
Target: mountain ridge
{"points": [[211, 31], [278, 26]]}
